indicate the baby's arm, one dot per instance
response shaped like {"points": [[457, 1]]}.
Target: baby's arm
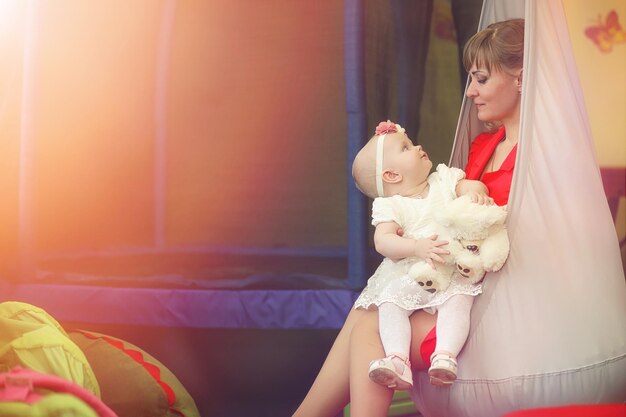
{"points": [[394, 247], [476, 190]]}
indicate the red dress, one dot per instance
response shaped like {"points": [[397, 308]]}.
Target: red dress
{"points": [[499, 185], [498, 182]]}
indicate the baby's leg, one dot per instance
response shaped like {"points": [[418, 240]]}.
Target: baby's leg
{"points": [[394, 323], [394, 370], [453, 322], [395, 329]]}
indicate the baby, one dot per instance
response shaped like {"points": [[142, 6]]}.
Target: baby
{"points": [[396, 174]]}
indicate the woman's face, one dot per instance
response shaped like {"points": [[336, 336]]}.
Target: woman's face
{"points": [[496, 95]]}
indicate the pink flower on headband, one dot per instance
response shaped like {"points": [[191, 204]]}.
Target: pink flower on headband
{"points": [[388, 127]]}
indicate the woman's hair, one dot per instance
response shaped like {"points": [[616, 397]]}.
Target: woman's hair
{"points": [[500, 46]]}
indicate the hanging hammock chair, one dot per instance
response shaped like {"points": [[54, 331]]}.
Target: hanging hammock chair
{"points": [[550, 327]]}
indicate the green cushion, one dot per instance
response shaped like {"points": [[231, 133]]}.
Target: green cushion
{"points": [[401, 406]]}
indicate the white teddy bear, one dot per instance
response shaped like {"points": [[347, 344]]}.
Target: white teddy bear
{"points": [[478, 243]]}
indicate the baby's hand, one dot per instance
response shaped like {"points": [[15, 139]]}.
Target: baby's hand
{"points": [[480, 198], [429, 249]]}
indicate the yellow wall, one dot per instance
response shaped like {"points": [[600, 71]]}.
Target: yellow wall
{"points": [[602, 74], [602, 69]]}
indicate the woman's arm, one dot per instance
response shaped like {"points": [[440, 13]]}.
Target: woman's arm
{"points": [[389, 244]]}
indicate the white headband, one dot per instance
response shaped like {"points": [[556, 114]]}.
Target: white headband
{"points": [[381, 130], [380, 145]]}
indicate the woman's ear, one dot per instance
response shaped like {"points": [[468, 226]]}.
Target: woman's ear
{"points": [[519, 81], [391, 177]]}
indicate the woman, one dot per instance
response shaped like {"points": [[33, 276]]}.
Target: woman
{"points": [[493, 58]]}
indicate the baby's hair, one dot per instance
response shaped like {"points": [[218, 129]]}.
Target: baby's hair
{"points": [[364, 170]]}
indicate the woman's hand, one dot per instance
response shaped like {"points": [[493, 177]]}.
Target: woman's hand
{"points": [[430, 249]]}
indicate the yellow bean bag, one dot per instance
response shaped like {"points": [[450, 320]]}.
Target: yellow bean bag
{"points": [[32, 339], [24, 392], [52, 405]]}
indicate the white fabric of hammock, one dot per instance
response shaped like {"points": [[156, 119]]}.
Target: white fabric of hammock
{"points": [[550, 327]]}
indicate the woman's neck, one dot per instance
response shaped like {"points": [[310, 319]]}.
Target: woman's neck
{"points": [[511, 131]]}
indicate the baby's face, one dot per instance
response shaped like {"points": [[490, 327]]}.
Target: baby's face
{"points": [[406, 159]]}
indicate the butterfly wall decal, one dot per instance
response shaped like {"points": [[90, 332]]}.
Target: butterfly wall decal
{"points": [[606, 33]]}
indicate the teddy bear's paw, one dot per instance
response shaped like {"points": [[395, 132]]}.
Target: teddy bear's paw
{"points": [[472, 274], [428, 285], [463, 270]]}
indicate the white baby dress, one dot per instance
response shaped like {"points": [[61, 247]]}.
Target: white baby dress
{"points": [[390, 282]]}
